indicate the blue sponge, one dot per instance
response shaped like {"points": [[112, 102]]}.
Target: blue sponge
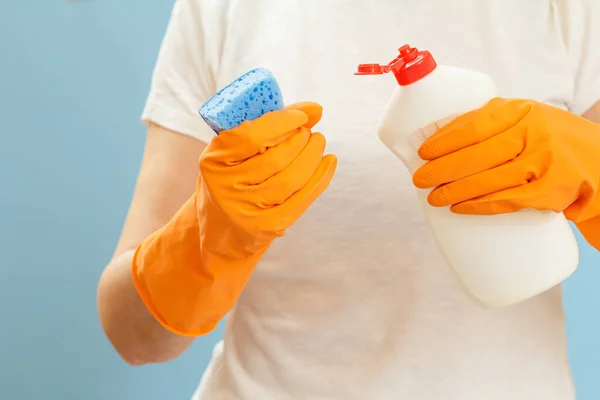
{"points": [[250, 96]]}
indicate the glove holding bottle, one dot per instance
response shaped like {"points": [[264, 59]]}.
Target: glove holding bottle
{"points": [[500, 259]]}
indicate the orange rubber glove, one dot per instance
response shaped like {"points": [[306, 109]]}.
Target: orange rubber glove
{"points": [[516, 154], [255, 181]]}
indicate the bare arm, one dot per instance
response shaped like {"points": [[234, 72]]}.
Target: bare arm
{"points": [[593, 114], [166, 180]]}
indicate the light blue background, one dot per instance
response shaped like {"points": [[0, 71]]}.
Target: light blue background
{"points": [[73, 79]]}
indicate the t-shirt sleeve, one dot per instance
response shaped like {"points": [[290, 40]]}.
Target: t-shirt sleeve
{"points": [[184, 75], [582, 31]]}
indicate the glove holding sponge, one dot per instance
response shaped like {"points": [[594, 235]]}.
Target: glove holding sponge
{"points": [[257, 177]]}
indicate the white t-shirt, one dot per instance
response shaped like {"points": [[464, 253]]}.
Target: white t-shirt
{"points": [[356, 302]]}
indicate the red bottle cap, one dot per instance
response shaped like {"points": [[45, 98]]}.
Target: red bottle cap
{"points": [[410, 66]]}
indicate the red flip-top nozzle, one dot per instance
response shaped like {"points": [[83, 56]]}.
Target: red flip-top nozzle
{"points": [[371, 69], [410, 66]]}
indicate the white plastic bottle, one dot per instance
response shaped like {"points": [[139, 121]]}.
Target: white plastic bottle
{"points": [[502, 259]]}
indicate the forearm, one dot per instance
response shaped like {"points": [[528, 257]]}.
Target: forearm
{"points": [[128, 324], [591, 231]]}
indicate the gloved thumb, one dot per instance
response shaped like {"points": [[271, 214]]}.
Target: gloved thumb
{"points": [[312, 109]]}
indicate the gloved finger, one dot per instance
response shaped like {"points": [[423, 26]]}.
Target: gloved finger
{"points": [[280, 187], [255, 137], [312, 109], [474, 127], [286, 214], [470, 160], [534, 195], [275, 159], [494, 180]]}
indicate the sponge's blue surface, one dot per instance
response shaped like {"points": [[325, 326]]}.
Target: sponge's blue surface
{"points": [[248, 97]]}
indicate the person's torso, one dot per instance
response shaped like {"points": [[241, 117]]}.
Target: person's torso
{"points": [[356, 302]]}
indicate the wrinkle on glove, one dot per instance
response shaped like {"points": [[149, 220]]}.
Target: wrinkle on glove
{"points": [[255, 181], [515, 154]]}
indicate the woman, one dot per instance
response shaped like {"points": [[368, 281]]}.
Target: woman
{"points": [[355, 302]]}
